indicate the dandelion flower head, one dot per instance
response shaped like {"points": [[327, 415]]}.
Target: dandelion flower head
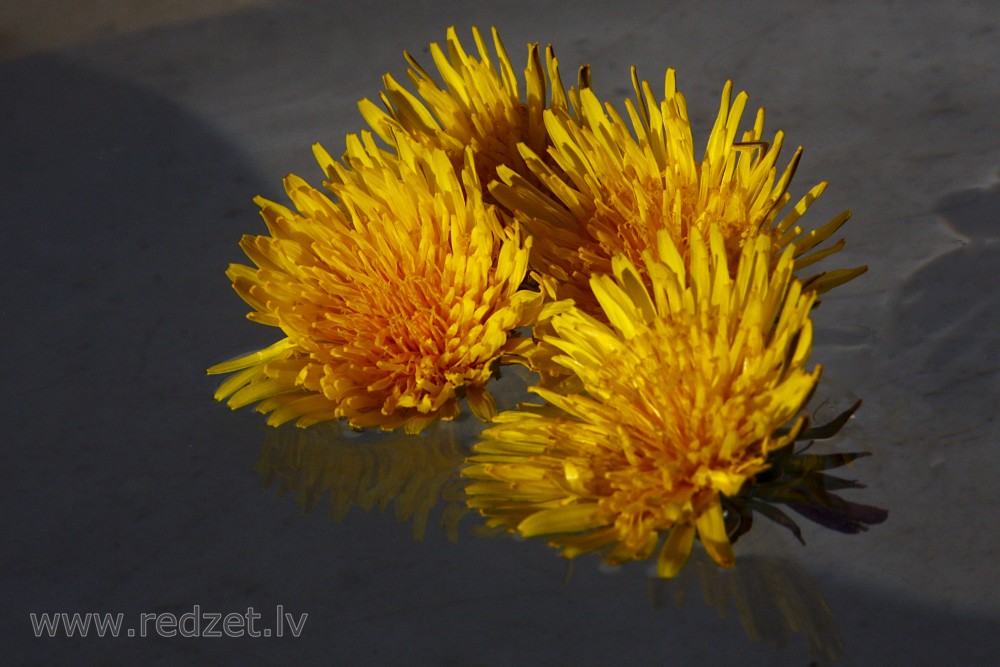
{"points": [[395, 297], [681, 396], [606, 191]]}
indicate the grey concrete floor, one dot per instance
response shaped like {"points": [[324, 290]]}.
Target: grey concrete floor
{"points": [[130, 149]]}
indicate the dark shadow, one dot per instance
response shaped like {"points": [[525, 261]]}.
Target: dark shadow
{"points": [[120, 212]]}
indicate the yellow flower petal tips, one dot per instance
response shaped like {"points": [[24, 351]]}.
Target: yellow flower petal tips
{"points": [[480, 106], [395, 298], [681, 397], [608, 190]]}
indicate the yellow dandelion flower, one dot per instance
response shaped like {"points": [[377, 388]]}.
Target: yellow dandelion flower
{"points": [[480, 106], [394, 300], [608, 192], [681, 398]]}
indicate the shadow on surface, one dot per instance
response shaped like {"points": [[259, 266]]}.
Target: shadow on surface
{"points": [[943, 329], [119, 213]]}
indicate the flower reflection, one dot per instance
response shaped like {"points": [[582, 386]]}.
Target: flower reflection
{"points": [[774, 599], [369, 471]]}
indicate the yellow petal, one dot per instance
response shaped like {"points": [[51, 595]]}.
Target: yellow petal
{"points": [[712, 533], [568, 519], [675, 550]]}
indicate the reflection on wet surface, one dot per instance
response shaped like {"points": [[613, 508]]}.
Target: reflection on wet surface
{"points": [[414, 474], [774, 599]]}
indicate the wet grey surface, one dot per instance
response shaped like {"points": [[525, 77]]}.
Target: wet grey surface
{"points": [[129, 166]]}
